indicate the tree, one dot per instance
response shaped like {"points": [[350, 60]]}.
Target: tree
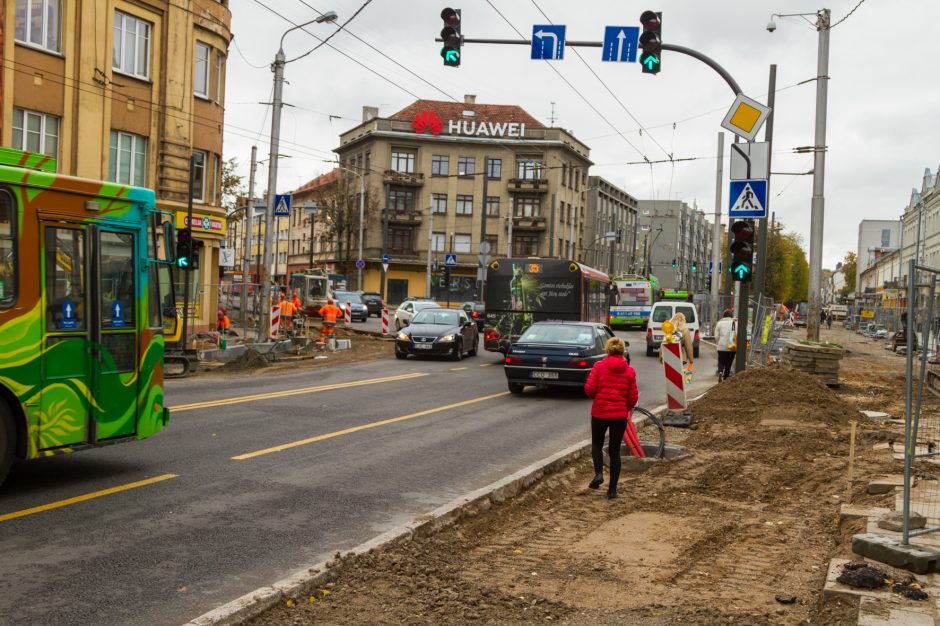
{"points": [[232, 186], [787, 270], [338, 220], [849, 267]]}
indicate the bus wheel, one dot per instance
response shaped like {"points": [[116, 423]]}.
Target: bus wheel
{"points": [[7, 441]]}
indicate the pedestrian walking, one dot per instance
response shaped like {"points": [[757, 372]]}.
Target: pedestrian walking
{"points": [[829, 321], [329, 312], [612, 385], [727, 345]]}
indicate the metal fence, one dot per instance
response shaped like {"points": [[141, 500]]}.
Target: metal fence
{"points": [[244, 322], [921, 428], [764, 331]]}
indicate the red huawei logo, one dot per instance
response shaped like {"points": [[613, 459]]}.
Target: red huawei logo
{"points": [[428, 120]]}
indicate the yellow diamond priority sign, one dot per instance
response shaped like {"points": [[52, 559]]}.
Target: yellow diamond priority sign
{"points": [[746, 117]]}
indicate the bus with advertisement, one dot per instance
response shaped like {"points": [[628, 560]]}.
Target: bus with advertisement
{"points": [[520, 292], [677, 295], [631, 298], [85, 292]]}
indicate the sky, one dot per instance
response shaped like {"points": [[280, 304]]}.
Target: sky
{"points": [[883, 111]]}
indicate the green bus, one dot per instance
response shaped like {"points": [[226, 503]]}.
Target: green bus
{"points": [[83, 298], [677, 294], [631, 299]]}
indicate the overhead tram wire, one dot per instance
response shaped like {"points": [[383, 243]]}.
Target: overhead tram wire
{"points": [[573, 88], [606, 87]]}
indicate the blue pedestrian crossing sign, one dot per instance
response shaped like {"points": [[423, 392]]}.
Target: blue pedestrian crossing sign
{"points": [[748, 198], [282, 205], [548, 42], [450, 260], [620, 43]]}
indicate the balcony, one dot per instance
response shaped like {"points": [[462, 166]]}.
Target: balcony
{"points": [[529, 223], [528, 185], [407, 218], [393, 177]]}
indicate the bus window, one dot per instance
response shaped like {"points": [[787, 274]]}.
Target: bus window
{"points": [[117, 280], [65, 278], [7, 249]]}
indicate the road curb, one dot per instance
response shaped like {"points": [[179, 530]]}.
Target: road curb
{"points": [[474, 503]]}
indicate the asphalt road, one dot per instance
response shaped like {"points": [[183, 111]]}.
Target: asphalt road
{"points": [[225, 513]]}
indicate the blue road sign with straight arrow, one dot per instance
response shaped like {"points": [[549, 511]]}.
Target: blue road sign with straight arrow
{"points": [[548, 42], [620, 43]]}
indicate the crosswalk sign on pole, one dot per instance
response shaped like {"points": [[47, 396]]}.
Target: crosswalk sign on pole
{"points": [[450, 260], [748, 198], [282, 205]]}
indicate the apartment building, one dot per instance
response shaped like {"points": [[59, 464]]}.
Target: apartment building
{"points": [[675, 240], [126, 91], [610, 210]]}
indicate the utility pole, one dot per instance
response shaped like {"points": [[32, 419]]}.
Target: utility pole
{"points": [[819, 173], [264, 328], [509, 244], [427, 279], [761, 270], [249, 220], [716, 233], [187, 271], [486, 190]]}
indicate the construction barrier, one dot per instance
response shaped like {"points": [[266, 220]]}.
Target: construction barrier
{"points": [[384, 321], [275, 320], [675, 380], [347, 313]]}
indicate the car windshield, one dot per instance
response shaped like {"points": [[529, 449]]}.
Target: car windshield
{"points": [[348, 297], [558, 333], [661, 314], [439, 317]]}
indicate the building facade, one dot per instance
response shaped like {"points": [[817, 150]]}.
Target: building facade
{"points": [[675, 240], [610, 210], [874, 238], [443, 177], [126, 91]]}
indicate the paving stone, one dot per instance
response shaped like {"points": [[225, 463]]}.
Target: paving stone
{"points": [[894, 521], [875, 414], [885, 484], [875, 612]]}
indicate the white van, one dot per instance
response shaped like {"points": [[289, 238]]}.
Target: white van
{"points": [[664, 310]]}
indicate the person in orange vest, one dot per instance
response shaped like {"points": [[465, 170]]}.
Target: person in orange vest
{"points": [[223, 323], [329, 313], [296, 301], [287, 313]]}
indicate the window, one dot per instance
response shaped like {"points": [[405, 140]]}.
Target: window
{"points": [[214, 181], [128, 163], [493, 240], [564, 174], [885, 237], [201, 75], [399, 240], [466, 166], [401, 200], [219, 70], [440, 165], [403, 162], [464, 205], [199, 175], [368, 162], [437, 242], [529, 169], [439, 202], [131, 50], [492, 206], [527, 207], [65, 279], [495, 170], [525, 245], [35, 132], [462, 244], [8, 257], [117, 294], [37, 23]]}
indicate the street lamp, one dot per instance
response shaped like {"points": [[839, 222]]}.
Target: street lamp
{"points": [[823, 26], [280, 60]]}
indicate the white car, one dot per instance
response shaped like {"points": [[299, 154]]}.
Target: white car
{"points": [[664, 310], [406, 311]]}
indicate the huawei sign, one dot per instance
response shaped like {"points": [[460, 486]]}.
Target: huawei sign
{"points": [[428, 120]]}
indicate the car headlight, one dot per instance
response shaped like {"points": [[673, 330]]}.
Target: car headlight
{"points": [[404, 337], [447, 338]]}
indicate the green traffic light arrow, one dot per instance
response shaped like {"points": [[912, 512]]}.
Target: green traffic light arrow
{"points": [[451, 56], [741, 272], [650, 61]]}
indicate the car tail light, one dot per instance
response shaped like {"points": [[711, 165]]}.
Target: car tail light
{"points": [[581, 363], [649, 332], [475, 314], [513, 359], [491, 334], [696, 335]]}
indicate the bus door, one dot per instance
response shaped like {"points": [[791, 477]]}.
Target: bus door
{"points": [[89, 362]]}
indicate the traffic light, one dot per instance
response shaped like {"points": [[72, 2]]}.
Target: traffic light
{"points": [[184, 248], [651, 41], [673, 262], [197, 252], [742, 251], [708, 283], [451, 37], [694, 266]]}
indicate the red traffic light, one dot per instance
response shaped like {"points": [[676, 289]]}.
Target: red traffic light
{"points": [[450, 17], [742, 247], [650, 20]]}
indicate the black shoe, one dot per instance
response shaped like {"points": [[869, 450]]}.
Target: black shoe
{"points": [[611, 494], [597, 482]]}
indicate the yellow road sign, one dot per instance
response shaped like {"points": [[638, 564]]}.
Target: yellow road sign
{"points": [[746, 117], [868, 314]]}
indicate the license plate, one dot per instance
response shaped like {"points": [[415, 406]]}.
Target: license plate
{"points": [[657, 337], [423, 346], [545, 375]]}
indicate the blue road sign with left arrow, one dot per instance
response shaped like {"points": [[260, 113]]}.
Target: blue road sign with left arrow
{"points": [[548, 42], [620, 43]]}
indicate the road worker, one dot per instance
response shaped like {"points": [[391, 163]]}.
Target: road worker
{"points": [[330, 312], [287, 313]]}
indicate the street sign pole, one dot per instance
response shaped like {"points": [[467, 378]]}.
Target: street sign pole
{"points": [[716, 235], [761, 272]]}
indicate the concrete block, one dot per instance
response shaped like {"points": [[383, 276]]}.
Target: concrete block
{"points": [[875, 415], [875, 612], [678, 420], [885, 484], [851, 511], [894, 521], [890, 551]]}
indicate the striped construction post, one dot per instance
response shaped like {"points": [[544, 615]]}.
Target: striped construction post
{"points": [[675, 381], [385, 322], [275, 320], [347, 313]]}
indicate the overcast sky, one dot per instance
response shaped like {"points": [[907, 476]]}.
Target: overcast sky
{"points": [[884, 101]]}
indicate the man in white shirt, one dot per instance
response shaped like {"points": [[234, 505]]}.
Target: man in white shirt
{"points": [[724, 339]]}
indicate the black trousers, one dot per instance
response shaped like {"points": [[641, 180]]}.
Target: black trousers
{"points": [[598, 428], [725, 361]]}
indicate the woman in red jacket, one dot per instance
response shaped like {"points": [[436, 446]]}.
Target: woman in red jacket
{"points": [[612, 384]]}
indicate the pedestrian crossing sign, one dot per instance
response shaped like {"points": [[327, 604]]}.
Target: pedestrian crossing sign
{"points": [[748, 198]]}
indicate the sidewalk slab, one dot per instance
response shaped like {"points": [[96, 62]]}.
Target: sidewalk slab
{"points": [[872, 612]]}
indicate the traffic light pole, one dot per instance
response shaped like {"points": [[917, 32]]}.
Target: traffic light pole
{"points": [[249, 222], [187, 271], [740, 357], [716, 235]]}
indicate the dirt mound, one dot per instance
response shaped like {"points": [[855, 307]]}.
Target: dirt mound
{"points": [[249, 360], [773, 393]]}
